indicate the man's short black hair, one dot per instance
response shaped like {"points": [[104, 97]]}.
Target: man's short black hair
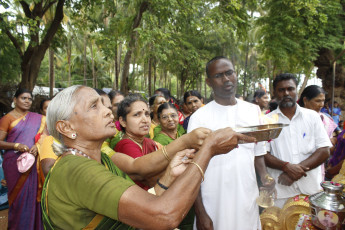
{"points": [[213, 60], [284, 77]]}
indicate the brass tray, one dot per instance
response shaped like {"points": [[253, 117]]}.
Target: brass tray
{"points": [[261, 132]]}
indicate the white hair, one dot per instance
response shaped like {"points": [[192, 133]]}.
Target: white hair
{"points": [[61, 108]]}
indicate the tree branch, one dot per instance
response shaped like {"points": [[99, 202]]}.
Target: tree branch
{"points": [[46, 7], [339, 55], [54, 26], [26, 9], [12, 38], [37, 11]]}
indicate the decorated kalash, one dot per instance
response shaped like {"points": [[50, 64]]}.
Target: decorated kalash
{"points": [[323, 210]]}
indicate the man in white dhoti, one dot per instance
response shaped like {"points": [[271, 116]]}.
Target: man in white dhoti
{"points": [[295, 157], [227, 196]]}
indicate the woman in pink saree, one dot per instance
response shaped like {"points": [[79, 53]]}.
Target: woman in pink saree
{"points": [[20, 131], [313, 97]]}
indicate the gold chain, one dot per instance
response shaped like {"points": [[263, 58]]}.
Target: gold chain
{"points": [[141, 147]]}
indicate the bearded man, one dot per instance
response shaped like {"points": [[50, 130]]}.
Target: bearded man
{"points": [[294, 159]]}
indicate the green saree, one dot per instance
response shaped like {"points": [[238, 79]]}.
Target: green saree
{"points": [[78, 185], [164, 139]]}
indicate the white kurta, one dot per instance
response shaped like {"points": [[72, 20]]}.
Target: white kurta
{"points": [[230, 188], [297, 142]]}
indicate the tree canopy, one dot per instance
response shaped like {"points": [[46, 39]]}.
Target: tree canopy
{"points": [[141, 45]]}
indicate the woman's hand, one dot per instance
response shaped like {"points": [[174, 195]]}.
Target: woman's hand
{"points": [[180, 162], [224, 140], [196, 138], [33, 150], [176, 167], [22, 148]]}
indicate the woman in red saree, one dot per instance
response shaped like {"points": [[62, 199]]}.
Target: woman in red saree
{"points": [[22, 130], [134, 117]]}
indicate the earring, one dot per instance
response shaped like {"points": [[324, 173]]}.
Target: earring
{"points": [[74, 136], [13, 105]]}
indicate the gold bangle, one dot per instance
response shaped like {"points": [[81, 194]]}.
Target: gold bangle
{"points": [[165, 153], [16, 146], [200, 169]]}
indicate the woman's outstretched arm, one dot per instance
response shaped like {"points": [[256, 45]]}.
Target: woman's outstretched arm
{"points": [[155, 163], [143, 210]]}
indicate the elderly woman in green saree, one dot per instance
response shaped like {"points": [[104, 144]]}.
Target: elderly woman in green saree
{"points": [[84, 189]]}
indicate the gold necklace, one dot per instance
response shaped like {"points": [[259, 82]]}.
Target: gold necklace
{"points": [[141, 147], [20, 114]]}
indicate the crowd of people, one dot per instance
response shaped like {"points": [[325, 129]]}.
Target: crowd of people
{"points": [[115, 161]]}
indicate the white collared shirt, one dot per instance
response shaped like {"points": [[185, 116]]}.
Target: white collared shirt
{"points": [[298, 141]]}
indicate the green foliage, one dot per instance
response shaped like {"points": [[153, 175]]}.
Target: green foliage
{"points": [[293, 32], [10, 61], [179, 37]]}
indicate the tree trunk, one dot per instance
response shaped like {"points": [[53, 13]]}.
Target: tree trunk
{"points": [[184, 75], [200, 82], [150, 76], [133, 78], [84, 58], [161, 79], [94, 77], [117, 66], [119, 57], [32, 57], [273, 77], [154, 74], [205, 89], [324, 72], [69, 54], [137, 71], [270, 74], [245, 72], [169, 83], [51, 72], [115, 69], [30, 72], [305, 81], [165, 78], [143, 78], [177, 85], [131, 47]]}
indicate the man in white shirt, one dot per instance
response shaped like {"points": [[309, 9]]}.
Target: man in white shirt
{"points": [[227, 196], [295, 157]]}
